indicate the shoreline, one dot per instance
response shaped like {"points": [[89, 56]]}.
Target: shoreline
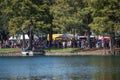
{"points": [[8, 54], [99, 52], [83, 53]]}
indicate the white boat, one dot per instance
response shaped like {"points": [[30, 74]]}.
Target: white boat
{"points": [[32, 53]]}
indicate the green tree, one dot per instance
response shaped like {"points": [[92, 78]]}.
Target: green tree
{"points": [[66, 16], [72, 15], [86, 19], [26, 16], [106, 17], [3, 22]]}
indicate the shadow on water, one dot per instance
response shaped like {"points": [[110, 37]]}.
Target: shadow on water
{"points": [[60, 68]]}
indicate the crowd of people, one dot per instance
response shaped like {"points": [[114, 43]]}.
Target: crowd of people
{"points": [[81, 43]]}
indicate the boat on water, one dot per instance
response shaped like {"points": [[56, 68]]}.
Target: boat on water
{"points": [[32, 52]]}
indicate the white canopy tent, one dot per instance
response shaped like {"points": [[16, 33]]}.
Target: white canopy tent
{"points": [[12, 38], [20, 37], [26, 37]]}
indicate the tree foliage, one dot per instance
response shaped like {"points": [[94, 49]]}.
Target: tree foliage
{"points": [[106, 15], [24, 14], [66, 16], [63, 16]]}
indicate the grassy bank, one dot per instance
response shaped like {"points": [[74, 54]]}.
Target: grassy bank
{"points": [[9, 49], [62, 49], [47, 50]]}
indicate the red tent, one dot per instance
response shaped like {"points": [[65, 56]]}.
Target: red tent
{"points": [[105, 38]]}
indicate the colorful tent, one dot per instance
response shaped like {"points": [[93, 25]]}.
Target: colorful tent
{"points": [[67, 36]]}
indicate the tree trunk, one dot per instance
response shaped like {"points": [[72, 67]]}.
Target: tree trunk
{"points": [[50, 35], [30, 40], [88, 38], [30, 34], [24, 43], [112, 42]]}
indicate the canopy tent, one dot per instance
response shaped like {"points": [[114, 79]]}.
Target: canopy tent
{"points": [[12, 38], [60, 36], [104, 38], [53, 36], [65, 36], [20, 37], [26, 37]]}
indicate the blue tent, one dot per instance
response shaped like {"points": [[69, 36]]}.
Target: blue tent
{"points": [[65, 36]]}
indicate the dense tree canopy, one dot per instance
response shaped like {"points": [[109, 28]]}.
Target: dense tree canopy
{"points": [[24, 15], [106, 14], [106, 18], [59, 16]]}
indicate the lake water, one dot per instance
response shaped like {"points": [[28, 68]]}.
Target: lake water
{"points": [[60, 68]]}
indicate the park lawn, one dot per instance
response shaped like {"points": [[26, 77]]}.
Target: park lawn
{"points": [[9, 49], [62, 49], [46, 50]]}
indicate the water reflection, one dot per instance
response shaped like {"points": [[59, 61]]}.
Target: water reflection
{"points": [[108, 68], [60, 68]]}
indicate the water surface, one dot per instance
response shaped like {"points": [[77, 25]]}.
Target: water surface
{"points": [[60, 68]]}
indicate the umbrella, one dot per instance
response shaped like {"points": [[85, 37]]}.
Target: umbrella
{"points": [[105, 38], [12, 38], [26, 36], [65, 36]]}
